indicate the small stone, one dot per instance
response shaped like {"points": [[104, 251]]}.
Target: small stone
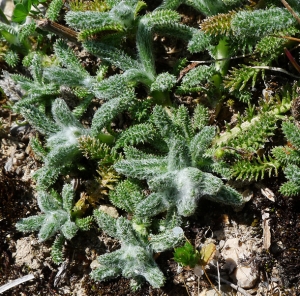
{"points": [[26, 254], [20, 155], [109, 210], [94, 264], [225, 290], [221, 244], [191, 278], [245, 277], [247, 195], [230, 253], [178, 231], [198, 270]]}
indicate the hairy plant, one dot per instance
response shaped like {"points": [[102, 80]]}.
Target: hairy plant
{"points": [[289, 157], [244, 145], [135, 257], [251, 30], [35, 89], [56, 218], [141, 70], [16, 38], [205, 6], [176, 179], [62, 134]]}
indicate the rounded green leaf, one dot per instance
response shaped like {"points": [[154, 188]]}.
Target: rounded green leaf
{"points": [[20, 13]]}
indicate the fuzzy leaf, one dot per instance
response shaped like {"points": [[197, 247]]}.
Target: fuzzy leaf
{"points": [[30, 224], [163, 82], [107, 223], [103, 273], [227, 196], [36, 118], [87, 19], [109, 111], [67, 197], [164, 123], [141, 168], [200, 41], [52, 224], [167, 239], [154, 204], [200, 143], [200, 117], [290, 188], [259, 23], [195, 79], [286, 155], [182, 119], [292, 132], [56, 250], [112, 55], [292, 173], [54, 9], [62, 115], [179, 155], [126, 196], [47, 202], [136, 134], [69, 229]]}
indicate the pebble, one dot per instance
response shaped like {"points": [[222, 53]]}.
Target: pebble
{"points": [[191, 278], [110, 210], [7, 7], [94, 264], [225, 291], [234, 250], [245, 277], [221, 244]]}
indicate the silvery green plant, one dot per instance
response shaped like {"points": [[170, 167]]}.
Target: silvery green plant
{"points": [[226, 33], [118, 95], [139, 70], [56, 217], [204, 6], [179, 178], [135, 257], [36, 89], [66, 72], [62, 134], [17, 39], [289, 157]]}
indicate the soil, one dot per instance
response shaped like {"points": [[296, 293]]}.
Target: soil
{"points": [[277, 265]]}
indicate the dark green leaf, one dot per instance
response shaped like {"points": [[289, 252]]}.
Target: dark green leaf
{"points": [[187, 255], [27, 4], [20, 13]]}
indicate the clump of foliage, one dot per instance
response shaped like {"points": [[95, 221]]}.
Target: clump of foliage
{"points": [[20, 34], [62, 148], [177, 179], [135, 257], [57, 217], [289, 157]]}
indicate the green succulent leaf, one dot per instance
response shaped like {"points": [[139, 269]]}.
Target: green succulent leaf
{"points": [[187, 255]]}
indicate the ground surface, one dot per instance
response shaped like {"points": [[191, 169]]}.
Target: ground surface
{"points": [[263, 237]]}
